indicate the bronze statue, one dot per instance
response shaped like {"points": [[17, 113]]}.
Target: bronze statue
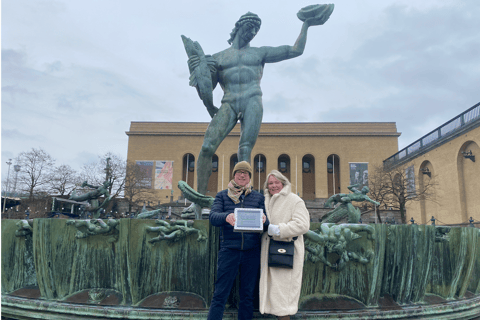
{"points": [[239, 69], [337, 238], [92, 196], [346, 208]]}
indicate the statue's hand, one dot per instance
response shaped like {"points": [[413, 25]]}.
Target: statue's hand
{"points": [[309, 22], [193, 62], [212, 63]]}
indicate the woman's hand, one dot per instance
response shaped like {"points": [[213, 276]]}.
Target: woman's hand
{"points": [[273, 230]]}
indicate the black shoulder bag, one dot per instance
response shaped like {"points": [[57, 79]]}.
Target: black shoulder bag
{"points": [[280, 253]]}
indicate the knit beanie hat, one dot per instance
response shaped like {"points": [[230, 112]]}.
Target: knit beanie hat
{"points": [[243, 165]]}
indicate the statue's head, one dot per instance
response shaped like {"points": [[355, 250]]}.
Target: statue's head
{"points": [[252, 23], [365, 190]]}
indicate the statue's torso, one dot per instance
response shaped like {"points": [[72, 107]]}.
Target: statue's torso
{"points": [[239, 73]]}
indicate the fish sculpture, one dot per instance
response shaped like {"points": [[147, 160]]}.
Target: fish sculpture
{"points": [[200, 76]]}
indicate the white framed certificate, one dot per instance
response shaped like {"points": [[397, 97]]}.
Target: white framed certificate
{"points": [[248, 220]]}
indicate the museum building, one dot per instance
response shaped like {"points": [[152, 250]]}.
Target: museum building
{"points": [[323, 158], [319, 158]]}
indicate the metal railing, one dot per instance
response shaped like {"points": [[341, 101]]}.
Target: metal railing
{"points": [[445, 130]]}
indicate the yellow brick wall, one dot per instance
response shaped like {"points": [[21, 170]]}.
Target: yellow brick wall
{"points": [[351, 142], [457, 194]]}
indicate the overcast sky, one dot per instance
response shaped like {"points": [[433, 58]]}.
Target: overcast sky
{"points": [[75, 73]]}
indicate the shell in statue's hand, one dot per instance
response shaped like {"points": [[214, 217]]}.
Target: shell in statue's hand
{"points": [[319, 12]]}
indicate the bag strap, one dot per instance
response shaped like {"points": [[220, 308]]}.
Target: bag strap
{"points": [[293, 239]]}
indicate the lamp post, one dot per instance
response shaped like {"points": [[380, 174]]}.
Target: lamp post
{"points": [[9, 162], [16, 168]]}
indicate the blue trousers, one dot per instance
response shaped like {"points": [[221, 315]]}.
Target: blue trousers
{"points": [[230, 262]]}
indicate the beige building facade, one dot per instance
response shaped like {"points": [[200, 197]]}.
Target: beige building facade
{"points": [[450, 155], [318, 158]]}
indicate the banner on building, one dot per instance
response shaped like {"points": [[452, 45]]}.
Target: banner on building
{"points": [[163, 174], [147, 168], [359, 173]]}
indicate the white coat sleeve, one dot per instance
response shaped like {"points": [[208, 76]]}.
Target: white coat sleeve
{"points": [[299, 224]]}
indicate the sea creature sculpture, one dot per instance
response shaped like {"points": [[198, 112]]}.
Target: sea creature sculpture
{"points": [[333, 238], [174, 230], [441, 234], [24, 228], [93, 196], [148, 214], [346, 208], [194, 196], [94, 227], [200, 76]]}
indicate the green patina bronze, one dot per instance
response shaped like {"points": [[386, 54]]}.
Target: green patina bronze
{"points": [[175, 230], [239, 70], [346, 209], [356, 264], [92, 197], [93, 227], [149, 214], [24, 228], [332, 238]]}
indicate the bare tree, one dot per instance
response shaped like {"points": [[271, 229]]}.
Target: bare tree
{"points": [[63, 180], [395, 187], [35, 173], [136, 191]]}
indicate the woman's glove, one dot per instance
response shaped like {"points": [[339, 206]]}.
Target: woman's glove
{"points": [[273, 230]]}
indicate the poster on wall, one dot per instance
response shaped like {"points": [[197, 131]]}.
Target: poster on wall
{"points": [[410, 181], [163, 174], [359, 173], [147, 168]]}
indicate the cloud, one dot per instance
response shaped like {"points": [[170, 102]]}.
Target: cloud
{"points": [[75, 78]]}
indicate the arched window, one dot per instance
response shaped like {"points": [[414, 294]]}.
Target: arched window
{"points": [[427, 208], [333, 174], [259, 172], [233, 162], [308, 177], [468, 173], [284, 165], [212, 186], [188, 169]]}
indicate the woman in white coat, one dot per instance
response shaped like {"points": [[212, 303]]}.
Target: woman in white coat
{"points": [[289, 218]]}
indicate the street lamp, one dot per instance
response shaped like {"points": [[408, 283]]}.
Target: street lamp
{"points": [[9, 162], [16, 168]]}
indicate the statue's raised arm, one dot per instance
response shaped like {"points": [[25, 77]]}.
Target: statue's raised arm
{"points": [[312, 15]]}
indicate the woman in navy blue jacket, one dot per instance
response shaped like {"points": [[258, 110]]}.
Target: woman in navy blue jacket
{"points": [[239, 251]]}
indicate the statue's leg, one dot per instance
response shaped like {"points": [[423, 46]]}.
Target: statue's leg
{"points": [[251, 122], [220, 126]]}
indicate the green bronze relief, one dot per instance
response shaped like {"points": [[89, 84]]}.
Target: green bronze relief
{"points": [[175, 230], [346, 208], [24, 228], [333, 238], [93, 227], [96, 208]]}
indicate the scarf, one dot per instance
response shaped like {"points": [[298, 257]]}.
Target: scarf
{"points": [[235, 191]]}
